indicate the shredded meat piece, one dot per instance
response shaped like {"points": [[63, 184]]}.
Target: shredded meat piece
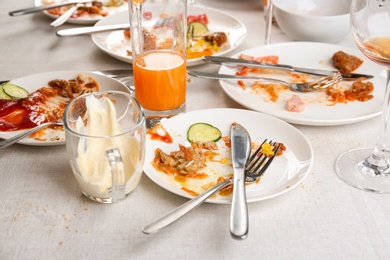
{"points": [[345, 62], [80, 85], [218, 38], [361, 91], [187, 160]]}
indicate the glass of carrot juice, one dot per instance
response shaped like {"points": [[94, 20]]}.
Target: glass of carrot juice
{"points": [[158, 37]]}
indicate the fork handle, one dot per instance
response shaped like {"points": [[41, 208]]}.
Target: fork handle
{"points": [[182, 210], [239, 221]]}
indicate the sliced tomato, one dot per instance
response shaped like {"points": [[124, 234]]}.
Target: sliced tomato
{"points": [[191, 19], [201, 18]]}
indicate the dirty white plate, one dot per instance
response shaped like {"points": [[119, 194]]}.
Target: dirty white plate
{"points": [[33, 82], [116, 45], [285, 172], [317, 111], [88, 19]]}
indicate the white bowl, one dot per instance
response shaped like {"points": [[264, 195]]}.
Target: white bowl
{"points": [[313, 20]]}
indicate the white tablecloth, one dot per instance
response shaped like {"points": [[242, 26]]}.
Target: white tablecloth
{"points": [[44, 216]]}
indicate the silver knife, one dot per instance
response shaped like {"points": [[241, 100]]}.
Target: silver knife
{"points": [[232, 61], [241, 149], [92, 29], [44, 7]]}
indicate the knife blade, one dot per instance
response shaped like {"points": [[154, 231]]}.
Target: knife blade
{"points": [[319, 72], [44, 7], [92, 29], [240, 149]]}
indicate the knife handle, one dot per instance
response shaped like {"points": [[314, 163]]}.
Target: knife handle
{"points": [[180, 211], [239, 221]]}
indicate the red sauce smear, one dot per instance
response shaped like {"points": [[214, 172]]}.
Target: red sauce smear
{"points": [[23, 113], [159, 133]]}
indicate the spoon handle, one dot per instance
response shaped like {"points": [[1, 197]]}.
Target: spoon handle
{"points": [[63, 18], [14, 139], [180, 211]]}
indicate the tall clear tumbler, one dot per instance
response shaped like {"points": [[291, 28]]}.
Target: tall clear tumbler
{"points": [[158, 37]]}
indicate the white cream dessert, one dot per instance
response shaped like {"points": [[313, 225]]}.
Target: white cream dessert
{"points": [[104, 133]]}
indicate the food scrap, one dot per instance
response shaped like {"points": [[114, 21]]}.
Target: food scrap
{"points": [[345, 62], [200, 41], [203, 163], [360, 91], [95, 8], [295, 104], [159, 133], [337, 93], [46, 104]]}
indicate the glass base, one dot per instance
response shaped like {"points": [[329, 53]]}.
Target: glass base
{"points": [[155, 117], [353, 168]]}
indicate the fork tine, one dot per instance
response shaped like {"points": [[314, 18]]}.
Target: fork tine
{"points": [[252, 157], [327, 81], [257, 172]]}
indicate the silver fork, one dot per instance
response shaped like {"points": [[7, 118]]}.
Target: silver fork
{"points": [[256, 166], [297, 87]]}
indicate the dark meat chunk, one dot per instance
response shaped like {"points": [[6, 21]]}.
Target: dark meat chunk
{"points": [[219, 38], [345, 62]]}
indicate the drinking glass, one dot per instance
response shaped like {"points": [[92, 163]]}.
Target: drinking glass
{"points": [[369, 169], [105, 141], [268, 11], [158, 37]]}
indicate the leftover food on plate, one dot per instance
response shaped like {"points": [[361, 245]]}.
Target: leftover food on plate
{"points": [[94, 9], [200, 41], [345, 62], [202, 164], [46, 104], [342, 92]]}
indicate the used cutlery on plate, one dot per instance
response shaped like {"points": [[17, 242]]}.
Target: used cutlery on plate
{"points": [[256, 166], [240, 62], [241, 149], [92, 29], [16, 138], [298, 87], [44, 7]]}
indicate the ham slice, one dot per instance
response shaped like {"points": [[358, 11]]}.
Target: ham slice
{"points": [[295, 104]]}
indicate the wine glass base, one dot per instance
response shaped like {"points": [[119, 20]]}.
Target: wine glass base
{"points": [[352, 168]]}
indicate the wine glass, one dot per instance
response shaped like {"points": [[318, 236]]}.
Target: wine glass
{"points": [[369, 169], [268, 11]]}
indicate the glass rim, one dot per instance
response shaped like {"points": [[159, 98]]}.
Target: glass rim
{"points": [[132, 129]]}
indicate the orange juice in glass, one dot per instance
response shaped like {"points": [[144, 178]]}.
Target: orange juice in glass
{"points": [[160, 73], [158, 37]]}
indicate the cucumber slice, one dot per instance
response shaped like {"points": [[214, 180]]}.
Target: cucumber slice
{"points": [[14, 91], [3, 95], [203, 132], [196, 29]]}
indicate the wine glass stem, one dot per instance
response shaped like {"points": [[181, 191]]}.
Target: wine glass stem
{"points": [[378, 159], [268, 22]]}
